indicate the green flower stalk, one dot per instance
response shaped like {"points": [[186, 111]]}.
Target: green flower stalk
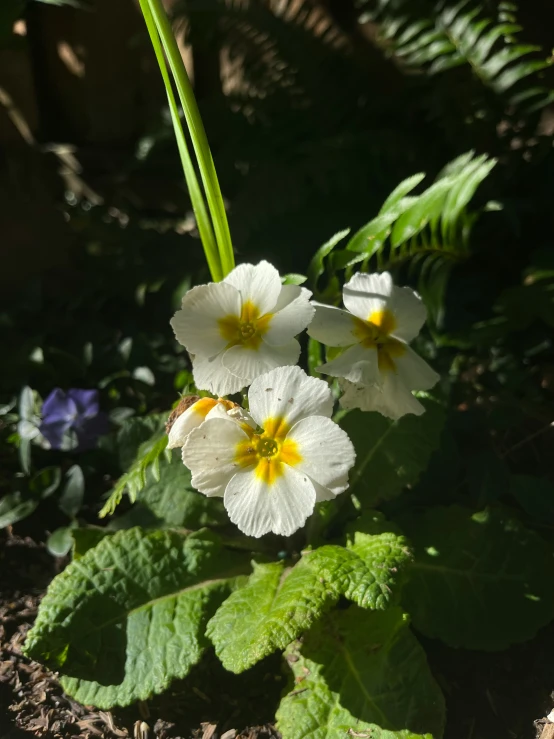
{"points": [[213, 226]]}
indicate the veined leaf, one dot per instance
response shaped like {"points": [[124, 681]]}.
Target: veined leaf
{"points": [[126, 618], [276, 605], [391, 454], [361, 674], [479, 580]]}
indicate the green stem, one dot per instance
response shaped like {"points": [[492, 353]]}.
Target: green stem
{"points": [[197, 199], [197, 134]]}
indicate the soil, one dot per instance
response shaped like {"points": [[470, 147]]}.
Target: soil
{"points": [[489, 696]]}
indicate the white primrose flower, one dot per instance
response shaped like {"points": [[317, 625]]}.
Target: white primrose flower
{"points": [[190, 413], [238, 329], [378, 369], [272, 474]]}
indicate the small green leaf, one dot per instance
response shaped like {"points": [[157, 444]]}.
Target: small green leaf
{"points": [[293, 278], [60, 541], [391, 454], [45, 482], [126, 618], [479, 581], [71, 499], [361, 674], [15, 507], [315, 356]]}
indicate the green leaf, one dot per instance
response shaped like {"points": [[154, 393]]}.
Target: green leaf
{"points": [[71, 499], [293, 278], [126, 618], [271, 610], [535, 495], [315, 356], [277, 605], [87, 537], [479, 580], [45, 482], [148, 457], [175, 502], [134, 432], [361, 674], [60, 541], [15, 507], [391, 454], [317, 265]]}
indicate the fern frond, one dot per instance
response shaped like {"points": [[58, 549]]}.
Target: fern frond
{"points": [[452, 36], [148, 457], [428, 232]]}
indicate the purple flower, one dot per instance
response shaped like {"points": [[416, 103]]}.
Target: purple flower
{"points": [[72, 420]]}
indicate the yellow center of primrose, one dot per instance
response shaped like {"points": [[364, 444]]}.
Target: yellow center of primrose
{"points": [[269, 451], [246, 329], [375, 334]]}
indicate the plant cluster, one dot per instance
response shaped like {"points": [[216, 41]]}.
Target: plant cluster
{"points": [[338, 510]]}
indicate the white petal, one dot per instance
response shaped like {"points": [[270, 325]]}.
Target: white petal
{"points": [[392, 400], [257, 508], [327, 452], [322, 493], [414, 371], [258, 283], [194, 415], [291, 315], [366, 294], [409, 311], [209, 453], [210, 374], [358, 364], [250, 363], [289, 393], [196, 324], [332, 326]]}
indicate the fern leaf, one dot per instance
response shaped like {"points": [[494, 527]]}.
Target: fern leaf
{"points": [[148, 458], [456, 35], [427, 232]]}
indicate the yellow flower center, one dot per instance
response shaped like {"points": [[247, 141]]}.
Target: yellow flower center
{"points": [[375, 334], [246, 329], [269, 451]]}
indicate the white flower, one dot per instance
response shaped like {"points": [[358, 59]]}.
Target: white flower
{"points": [[239, 328], [271, 476], [190, 413], [378, 368]]}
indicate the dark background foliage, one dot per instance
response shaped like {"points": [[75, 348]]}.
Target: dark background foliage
{"points": [[315, 111]]}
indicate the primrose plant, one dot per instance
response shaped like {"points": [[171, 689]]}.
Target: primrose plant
{"points": [[268, 486]]}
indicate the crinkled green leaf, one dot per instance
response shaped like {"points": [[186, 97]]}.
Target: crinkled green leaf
{"points": [[391, 454], [361, 674], [126, 618], [277, 605], [266, 614], [479, 580]]}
